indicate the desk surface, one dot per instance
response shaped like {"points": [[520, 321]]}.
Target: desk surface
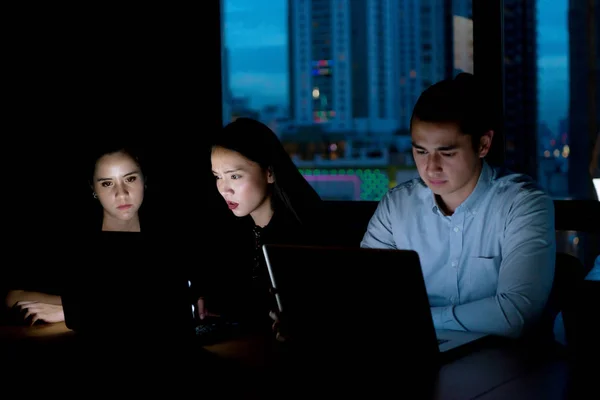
{"points": [[490, 373]]}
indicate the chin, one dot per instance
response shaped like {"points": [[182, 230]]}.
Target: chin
{"points": [[440, 191], [239, 214]]}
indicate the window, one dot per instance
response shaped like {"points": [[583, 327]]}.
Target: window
{"points": [[552, 103], [370, 81]]}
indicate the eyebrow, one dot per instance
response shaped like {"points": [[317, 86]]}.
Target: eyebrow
{"points": [[231, 170], [441, 148], [126, 175]]}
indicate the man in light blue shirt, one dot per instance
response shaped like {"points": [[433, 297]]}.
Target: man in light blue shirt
{"points": [[594, 274], [485, 236]]}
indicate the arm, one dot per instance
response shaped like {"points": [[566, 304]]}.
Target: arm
{"points": [[14, 296], [379, 233], [525, 276], [594, 274]]}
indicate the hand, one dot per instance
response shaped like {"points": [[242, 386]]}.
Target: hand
{"points": [[277, 327], [34, 311], [203, 311]]}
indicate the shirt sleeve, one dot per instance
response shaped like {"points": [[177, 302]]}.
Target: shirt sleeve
{"points": [[594, 274], [379, 234]]}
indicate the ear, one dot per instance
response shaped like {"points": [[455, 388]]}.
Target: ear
{"points": [[485, 143], [270, 175]]}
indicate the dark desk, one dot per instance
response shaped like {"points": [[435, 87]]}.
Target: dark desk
{"points": [[506, 372]]}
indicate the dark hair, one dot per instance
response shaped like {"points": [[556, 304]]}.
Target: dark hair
{"points": [[136, 154], [460, 101], [257, 142]]}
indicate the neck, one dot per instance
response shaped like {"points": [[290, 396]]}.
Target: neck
{"points": [[451, 201], [112, 224], [262, 216]]}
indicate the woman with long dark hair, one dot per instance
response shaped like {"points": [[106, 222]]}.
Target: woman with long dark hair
{"points": [[273, 204]]}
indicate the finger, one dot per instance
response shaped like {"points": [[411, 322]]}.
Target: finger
{"points": [[273, 316], [201, 308], [28, 314], [35, 318], [24, 303], [280, 337]]}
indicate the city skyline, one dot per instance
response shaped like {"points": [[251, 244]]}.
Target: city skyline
{"points": [[256, 39]]}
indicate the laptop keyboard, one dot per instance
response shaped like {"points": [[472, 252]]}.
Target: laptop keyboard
{"points": [[441, 341]]}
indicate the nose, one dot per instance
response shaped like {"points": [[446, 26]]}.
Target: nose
{"points": [[121, 191], [434, 163], [224, 187]]}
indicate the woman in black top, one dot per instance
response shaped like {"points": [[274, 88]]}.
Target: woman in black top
{"points": [[117, 184], [273, 204]]}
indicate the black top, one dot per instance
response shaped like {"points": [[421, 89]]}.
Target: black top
{"points": [[237, 284]]}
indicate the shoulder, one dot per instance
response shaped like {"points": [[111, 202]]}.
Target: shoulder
{"points": [[519, 191], [412, 190]]}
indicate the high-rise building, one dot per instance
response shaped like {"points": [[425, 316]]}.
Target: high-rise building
{"points": [[360, 65], [521, 86]]}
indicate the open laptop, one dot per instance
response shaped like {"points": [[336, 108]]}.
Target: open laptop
{"points": [[377, 297], [124, 284]]}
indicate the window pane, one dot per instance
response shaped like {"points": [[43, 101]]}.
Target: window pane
{"points": [[553, 115], [567, 96], [337, 80]]}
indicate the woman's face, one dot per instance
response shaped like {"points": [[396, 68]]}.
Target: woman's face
{"points": [[243, 183], [119, 185]]}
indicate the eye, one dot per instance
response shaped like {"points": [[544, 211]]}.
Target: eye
{"points": [[235, 176], [131, 179], [420, 152], [106, 184], [449, 154], [216, 177]]}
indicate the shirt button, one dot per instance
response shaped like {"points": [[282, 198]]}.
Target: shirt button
{"points": [[456, 229]]}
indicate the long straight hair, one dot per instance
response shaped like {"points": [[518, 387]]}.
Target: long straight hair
{"points": [[257, 142]]}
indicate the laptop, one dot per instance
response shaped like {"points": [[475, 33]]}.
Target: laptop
{"points": [[123, 284], [597, 186], [372, 296]]}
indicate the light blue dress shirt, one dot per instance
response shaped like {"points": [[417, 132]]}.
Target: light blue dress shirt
{"points": [[594, 274], [488, 267]]}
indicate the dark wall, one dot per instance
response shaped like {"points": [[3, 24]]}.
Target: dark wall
{"points": [[76, 78]]}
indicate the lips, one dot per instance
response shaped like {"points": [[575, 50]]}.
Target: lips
{"points": [[232, 205], [437, 182], [125, 207]]}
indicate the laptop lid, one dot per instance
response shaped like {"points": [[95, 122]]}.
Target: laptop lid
{"points": [[361, 309], [123, 283]]}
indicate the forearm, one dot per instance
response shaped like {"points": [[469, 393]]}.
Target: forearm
{"points": [[503, 315], [14, 296]]}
